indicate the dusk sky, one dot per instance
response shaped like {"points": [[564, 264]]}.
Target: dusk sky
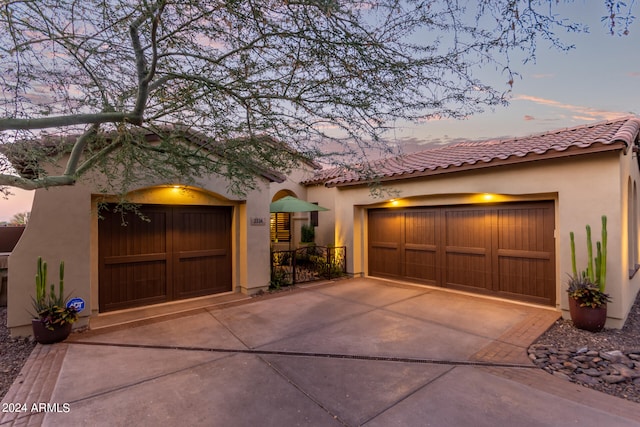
{"points": [[598, 80]]}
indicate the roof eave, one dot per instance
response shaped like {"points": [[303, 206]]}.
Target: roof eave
{"points": [[618, 145]]}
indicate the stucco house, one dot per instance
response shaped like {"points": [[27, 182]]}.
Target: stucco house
{"points": [[494, 217], [489, 217], [201, 241]]}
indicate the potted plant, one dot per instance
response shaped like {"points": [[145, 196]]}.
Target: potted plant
{"points": [[53, 319], [587, 297]]}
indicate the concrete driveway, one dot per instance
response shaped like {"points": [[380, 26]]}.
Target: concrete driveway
{"points": [[353, 352]]}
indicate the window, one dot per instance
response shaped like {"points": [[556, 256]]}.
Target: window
{"points": [[280, 227], [314, 216]]}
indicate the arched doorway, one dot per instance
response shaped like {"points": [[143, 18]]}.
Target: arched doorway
{"points": [[281, 225]]}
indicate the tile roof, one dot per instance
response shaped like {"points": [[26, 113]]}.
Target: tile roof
{"points": [[604, 136]]}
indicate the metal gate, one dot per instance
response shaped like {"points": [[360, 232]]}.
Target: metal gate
{"points": [[307, 264]]}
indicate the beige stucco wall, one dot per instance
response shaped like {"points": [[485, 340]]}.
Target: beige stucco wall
{"points": [[582, 187], [64, 226]]}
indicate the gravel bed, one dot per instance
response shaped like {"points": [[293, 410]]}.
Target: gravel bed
{"points": [[595, 360], [562, 341], [13, 354]]}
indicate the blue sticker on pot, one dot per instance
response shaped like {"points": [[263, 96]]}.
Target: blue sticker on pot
{"points": [[77, 303]]}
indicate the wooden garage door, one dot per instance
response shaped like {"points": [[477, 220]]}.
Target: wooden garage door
{"points": [[178, 252], [506, 250]]}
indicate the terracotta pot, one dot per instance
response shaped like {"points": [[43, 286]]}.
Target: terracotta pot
{"points": [[47, 336], [587, 318]]}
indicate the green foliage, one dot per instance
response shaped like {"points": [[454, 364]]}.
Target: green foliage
{"points": [[308, 233], [588, 286], [50, 307], [586, 293], [278, 279]]}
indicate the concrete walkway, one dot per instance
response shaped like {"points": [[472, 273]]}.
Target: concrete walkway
{"points": [[354, 352]]}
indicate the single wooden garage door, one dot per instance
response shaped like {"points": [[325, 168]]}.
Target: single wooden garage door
{"points": [[506, 250], [178, 252]]}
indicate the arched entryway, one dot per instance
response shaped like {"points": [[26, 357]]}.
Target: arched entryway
{"points": [[281, 224]]}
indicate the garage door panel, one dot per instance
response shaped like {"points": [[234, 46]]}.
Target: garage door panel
{"points": [[420, 228], [466, 270], [505, 249], [420, 263], [386, 227], [203, 275], [174, 252], [385, 261], [138, 284], [525, 252], [203, 251], [526, 277], [466, 228], [525, 229]]}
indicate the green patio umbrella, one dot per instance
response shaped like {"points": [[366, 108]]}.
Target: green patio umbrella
{"points": [[292, 204]]}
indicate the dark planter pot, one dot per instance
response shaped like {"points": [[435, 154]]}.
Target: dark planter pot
{"points": [[587, 318], [47, 336]]}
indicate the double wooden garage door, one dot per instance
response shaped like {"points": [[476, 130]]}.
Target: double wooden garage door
{"points": [[504, 250], [177, 252]]}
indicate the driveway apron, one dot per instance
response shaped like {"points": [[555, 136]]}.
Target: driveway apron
{"points": [[356, 352]]}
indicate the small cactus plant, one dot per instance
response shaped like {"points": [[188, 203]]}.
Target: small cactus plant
{"points": [[594, 276], [50, 307]]}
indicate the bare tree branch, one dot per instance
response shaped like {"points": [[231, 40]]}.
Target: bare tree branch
{"points": [[299, 72]]}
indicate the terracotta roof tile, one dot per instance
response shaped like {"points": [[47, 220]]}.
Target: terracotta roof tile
{"points": [[613, 135]]}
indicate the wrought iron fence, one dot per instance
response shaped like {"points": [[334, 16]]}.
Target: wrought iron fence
{"points": [[307, 264]]}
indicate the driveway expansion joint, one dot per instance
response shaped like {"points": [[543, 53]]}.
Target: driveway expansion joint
{"points": [[397, 359]]}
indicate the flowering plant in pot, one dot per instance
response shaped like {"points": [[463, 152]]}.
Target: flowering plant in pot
{"points": [[52, 319], [587, 297]]}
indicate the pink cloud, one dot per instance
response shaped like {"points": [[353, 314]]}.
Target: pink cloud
{"points": [[575, 111], [528, 118]]}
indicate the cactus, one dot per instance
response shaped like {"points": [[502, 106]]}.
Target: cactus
{"points": [[50, 307], [41, 280], [598, 263], [61, 284], [596, 271], [602, 283], [52, 298], [590, 272], [573, 255]]}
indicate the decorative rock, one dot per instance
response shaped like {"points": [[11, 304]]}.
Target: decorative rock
{"points": [[586, 379], [614, 356], [588, 367], [592, 372], [613, 379], [625, 371], [561, 375]]}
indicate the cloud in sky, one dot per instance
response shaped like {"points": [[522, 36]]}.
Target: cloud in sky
{"points": [[577, 112], [634, 74]]}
